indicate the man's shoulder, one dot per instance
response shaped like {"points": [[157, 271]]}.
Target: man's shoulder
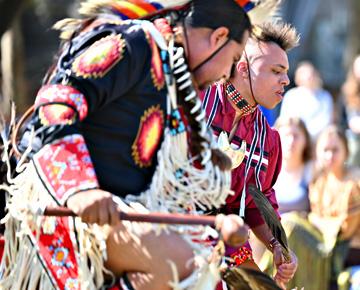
{"points": [[129, 30], [209, 95], [132, 31], [212, 89], [272, 133], [269, 130], [110, 40], [272, 136]]}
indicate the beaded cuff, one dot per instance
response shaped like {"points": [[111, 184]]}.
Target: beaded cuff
{"points": [[272, 244]]}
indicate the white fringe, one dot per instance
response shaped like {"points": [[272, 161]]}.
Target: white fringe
{"points": [[177, 186], [20, 267], [206, 274]]}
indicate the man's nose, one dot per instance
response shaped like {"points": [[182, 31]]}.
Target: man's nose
{"points": [[285, 81]]}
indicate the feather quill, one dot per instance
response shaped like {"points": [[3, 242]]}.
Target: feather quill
{"points": [[270, 218]]}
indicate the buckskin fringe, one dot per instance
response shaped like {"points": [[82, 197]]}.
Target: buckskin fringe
{"points": [[21, 266]]}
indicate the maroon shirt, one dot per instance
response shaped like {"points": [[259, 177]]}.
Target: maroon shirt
{"points": [[262, 144]]}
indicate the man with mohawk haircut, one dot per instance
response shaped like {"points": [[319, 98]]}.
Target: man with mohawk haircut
{"points": [[243, 133], [117, 126]]}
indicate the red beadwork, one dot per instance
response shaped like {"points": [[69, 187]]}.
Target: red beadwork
{"points": [[163, 26], [242, 255], [157, 73], [51, 97], [65, 167], [100, 57], [148, 137], [63, 270], [242, 3]]}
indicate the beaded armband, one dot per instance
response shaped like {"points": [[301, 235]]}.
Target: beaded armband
{"points": [[272, 244]]}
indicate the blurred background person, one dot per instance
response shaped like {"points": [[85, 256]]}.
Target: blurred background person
{"points": [[291, 186], [335, 200], [308, 100], [351, 102], [327, 241]]}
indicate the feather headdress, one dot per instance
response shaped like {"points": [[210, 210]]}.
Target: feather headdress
{"points": [[258, 10], [130, 9]]}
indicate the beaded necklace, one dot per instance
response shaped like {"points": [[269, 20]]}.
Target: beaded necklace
{"points": [[239, 101]]}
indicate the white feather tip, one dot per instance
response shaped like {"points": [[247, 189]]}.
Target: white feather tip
{"points": [[264, 11]]}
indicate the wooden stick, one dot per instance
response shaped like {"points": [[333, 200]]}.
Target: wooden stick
{"points": [[232, 236], [165, 218]]}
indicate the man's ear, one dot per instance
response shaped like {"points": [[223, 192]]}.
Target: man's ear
{"points": [[242, 68], [219, 36]]}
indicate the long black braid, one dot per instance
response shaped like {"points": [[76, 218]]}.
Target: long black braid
{"points": [[189, 101]]}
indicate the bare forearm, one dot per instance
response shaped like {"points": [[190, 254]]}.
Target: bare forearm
{"points": [[263, 233]]}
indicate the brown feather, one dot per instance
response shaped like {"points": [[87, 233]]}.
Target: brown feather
{"points": [[248, 279], [270, 218]]}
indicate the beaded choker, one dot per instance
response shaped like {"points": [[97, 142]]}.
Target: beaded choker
{"points": [[235, 97]]}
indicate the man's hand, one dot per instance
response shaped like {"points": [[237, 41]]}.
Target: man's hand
{"points": [[285, 269], [94, 206], [232, 228]]}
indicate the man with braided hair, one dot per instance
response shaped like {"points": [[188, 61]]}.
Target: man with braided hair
{"points": [[244, 134], [118, 116]]}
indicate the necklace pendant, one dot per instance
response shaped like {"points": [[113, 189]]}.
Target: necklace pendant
{"points": [[236, 155]]}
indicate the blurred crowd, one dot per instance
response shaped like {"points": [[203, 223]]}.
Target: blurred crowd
{"points": [[318, 189]]}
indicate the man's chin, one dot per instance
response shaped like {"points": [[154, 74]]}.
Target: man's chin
{"points": [[269, 107], [272, 105], [206, 84]]}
